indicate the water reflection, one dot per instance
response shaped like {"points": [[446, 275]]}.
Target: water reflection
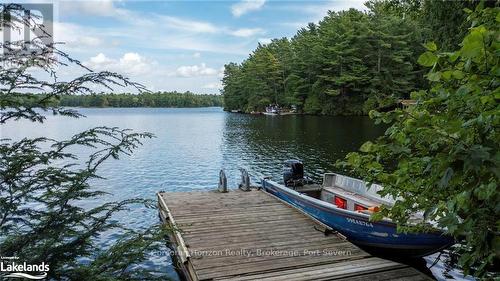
{"points": [[192, 145], [262, 143]]}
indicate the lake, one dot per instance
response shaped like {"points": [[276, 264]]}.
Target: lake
{"points": [[192, 145]]}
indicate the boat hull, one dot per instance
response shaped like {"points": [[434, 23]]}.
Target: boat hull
{"points": [[357, 227]]}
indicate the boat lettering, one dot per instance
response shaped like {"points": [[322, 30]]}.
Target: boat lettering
{"points": [[364, 223]]}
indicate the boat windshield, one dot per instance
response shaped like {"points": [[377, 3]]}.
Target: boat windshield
{"points": [[356, 186]]}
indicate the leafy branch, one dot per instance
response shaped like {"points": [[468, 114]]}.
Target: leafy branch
{"points": [[442, 155]]}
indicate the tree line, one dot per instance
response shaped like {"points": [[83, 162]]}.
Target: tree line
{"points": [[145, 99], [350, 62]]}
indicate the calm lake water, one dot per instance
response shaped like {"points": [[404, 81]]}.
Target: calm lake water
{"points": [[192, 145]]}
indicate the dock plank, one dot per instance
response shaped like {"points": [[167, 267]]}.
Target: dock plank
{"points": [[278, 241]]}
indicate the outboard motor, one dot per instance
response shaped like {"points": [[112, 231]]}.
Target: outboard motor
{"points": [[293, 173]]}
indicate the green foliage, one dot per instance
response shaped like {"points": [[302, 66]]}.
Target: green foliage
{"points": [[115, 262], [312, 105], [41, 218], [442, 155], [44, 185], [332, 67], [427, 59], [351, 61], [446, 21]]}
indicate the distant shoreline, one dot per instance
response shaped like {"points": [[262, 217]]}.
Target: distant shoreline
{"points": [[295, 114], [158, 99], [215, 106]]}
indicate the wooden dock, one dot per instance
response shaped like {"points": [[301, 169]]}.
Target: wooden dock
{"points": [[255, 236]]}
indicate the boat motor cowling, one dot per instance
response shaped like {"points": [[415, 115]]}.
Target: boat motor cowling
{"points": [[293, 173]]}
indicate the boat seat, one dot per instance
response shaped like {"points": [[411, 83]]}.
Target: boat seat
{"points": [[352, 196], [308, 187], [358, 199]]}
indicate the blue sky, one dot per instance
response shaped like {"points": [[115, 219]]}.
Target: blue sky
{"points": [[178, 45]]}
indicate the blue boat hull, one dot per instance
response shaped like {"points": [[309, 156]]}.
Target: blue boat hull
{"points": [[358, 228]]}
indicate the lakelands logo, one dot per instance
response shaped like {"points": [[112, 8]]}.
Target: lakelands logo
{"points": [[14, 269]]}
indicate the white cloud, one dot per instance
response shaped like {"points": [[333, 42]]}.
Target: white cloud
{"points": [[129, 63], [188, 25], [246, 6], [215, 86], [316, 11], [246, 32], [139, 45], [198, 44], [195, 70], [75, 36], [265, 40], [105, 8], [91, 40], [195, 27], [100, 59], [163, 32]]}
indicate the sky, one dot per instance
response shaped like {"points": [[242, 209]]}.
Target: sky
{"points": [[177, 45]]}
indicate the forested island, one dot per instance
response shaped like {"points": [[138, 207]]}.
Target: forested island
{"points": [[350, 62], [145, 99]]}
